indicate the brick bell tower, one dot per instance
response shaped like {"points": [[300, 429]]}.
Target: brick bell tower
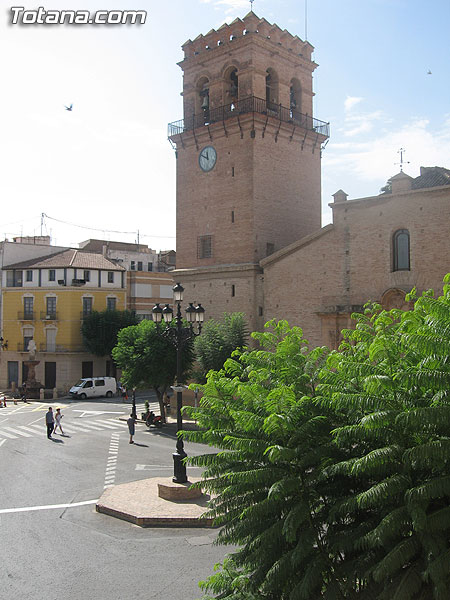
{"points": [[248, 161]]}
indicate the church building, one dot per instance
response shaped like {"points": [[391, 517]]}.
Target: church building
{"points": [[249, 234]]}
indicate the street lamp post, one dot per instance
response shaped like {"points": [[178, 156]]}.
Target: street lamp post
{"points": [[179, 336]]}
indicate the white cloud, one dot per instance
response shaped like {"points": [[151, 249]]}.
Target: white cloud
{"points": [[231, 6], [350, 102], [376, 159], [356, 124]]}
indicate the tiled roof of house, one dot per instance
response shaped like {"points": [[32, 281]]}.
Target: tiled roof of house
{"points": [[69, 258], [431, 177]]}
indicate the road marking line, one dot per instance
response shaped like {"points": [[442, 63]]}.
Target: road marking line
{"points": [[4, 511], [113, 421], [76, 429], [22, 433], [88, 425], [111, 465], [8, 435], [40, 419], [103, 424], [35, 431]]}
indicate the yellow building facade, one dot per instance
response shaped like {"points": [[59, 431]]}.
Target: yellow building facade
{"points": [[46, 300]]}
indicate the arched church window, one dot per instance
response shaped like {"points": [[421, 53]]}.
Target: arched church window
{"points": [[271, 90], [401, 250], [295, 99]]}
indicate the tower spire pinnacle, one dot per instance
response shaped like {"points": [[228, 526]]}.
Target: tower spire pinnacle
{"points": [[251, 5]]}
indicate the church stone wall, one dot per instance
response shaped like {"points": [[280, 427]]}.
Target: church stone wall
{"points": [[316, 283]]}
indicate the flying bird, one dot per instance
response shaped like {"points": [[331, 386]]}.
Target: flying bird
{"points": [[429, 72], [69, 107]]}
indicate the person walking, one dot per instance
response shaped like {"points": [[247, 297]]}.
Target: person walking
{"points": [[58, 417], [50, 422], [130, 422]]}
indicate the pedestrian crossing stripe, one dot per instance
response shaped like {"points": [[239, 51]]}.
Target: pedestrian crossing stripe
{"points": [[38, 429]]}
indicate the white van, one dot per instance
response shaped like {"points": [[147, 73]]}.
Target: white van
{"points": [[94, 387]]}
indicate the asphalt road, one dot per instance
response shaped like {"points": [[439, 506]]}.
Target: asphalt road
{"points": [[52, 542]]}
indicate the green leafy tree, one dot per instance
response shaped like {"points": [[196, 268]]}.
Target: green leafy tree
{"points": [[391, 380], [333, 475], [386, 189], [148, 359], [266, 481], [99, 329], [218, 341]]}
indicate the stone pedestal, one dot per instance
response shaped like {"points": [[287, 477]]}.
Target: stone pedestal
{"points": [[178, 491], [33, 387]]}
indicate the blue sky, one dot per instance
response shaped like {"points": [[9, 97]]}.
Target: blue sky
{"points": [[108, 165]]}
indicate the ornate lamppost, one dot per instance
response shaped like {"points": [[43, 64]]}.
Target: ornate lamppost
{"points": [[179, 336]]}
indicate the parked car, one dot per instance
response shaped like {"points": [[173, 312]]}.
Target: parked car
{"points": [[94, 387]]}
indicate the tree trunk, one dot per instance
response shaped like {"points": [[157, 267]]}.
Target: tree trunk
{"points": [[162, 408]]}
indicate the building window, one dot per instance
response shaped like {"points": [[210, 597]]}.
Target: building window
{"points": [[87, 275], [204, 246], [111, 303], [233, 290], [110, 276], [87, 306], [133, 265], [260, 311], [52, 275], [51, 307], [29, 275], [14, 278], [28, 308], [401, 250], [232, 216], [140, 265], [150, 267]]}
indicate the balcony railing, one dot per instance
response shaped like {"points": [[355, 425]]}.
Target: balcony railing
{"points": [[25, 316], [252, 104], [49, 316]]}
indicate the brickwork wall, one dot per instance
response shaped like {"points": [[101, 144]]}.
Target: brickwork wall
{"points": [[350, 262], [213, 289]]}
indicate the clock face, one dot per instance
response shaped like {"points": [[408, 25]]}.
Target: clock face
{"points": [[207, 158]]}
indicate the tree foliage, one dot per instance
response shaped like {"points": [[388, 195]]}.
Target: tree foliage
{"points": [[333, 475], [148, 359], [99, 329], [218, 341]]}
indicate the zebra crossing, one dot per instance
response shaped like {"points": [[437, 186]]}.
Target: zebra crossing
{"points": [[71, 428], [71, 425], [22, 408]]}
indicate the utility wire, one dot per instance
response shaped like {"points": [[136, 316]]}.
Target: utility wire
{"points": [[105, 230]]}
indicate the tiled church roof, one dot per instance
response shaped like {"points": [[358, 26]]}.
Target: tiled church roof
{"points": [[431, 177]]}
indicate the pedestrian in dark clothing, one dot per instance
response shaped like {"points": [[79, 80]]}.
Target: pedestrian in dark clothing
{"points": [[130, 422], [50, 422]]}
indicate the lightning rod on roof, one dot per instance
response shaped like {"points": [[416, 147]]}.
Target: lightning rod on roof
{"points": [[402, 162], [306, 20]]}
